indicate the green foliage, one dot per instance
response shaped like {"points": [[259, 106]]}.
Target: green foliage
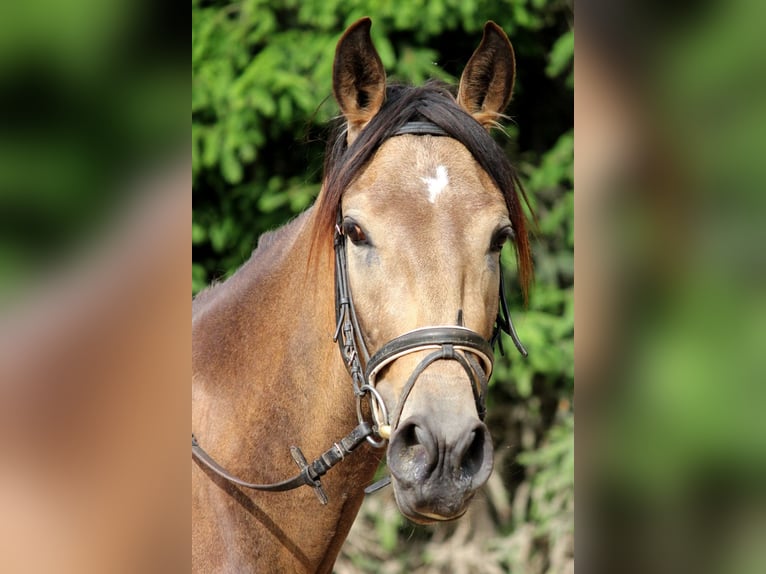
{"points": [[261, 102], [547, 325], [561, 57], [553, 484]]}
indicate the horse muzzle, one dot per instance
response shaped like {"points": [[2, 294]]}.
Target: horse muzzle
{"points": [[437, 461], [440, 453]]}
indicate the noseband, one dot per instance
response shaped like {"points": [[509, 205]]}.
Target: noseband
{"points": [[446, 343], [450, 343]]}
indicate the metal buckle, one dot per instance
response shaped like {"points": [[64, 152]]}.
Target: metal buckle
{"points": [[379, 413]]}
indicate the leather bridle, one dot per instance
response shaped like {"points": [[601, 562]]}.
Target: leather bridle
{"points": [[446, 342]]}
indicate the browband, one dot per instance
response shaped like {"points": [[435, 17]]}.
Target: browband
{"points": [[420, 128]]}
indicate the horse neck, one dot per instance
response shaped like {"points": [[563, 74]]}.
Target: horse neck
{"points": [[267, 375], [265, 361]]}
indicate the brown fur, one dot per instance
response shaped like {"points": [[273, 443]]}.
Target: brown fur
{"points": [[256, 392], [487, 82], [266, 373], [359, 80]]}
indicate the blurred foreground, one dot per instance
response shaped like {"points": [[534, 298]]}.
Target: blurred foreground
{"points": [[95, 205], [670, 302]]}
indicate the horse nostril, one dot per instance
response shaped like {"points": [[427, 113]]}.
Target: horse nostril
{"points": [[473, 457], [412, 452], [420, 443], [416, 453]]}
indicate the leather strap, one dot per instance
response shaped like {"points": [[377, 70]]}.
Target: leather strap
{"points": [[504, 323], [420, 129], [451, 343], [309, 474], [430, 337]]}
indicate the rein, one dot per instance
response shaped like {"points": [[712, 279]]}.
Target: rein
{"points": [[454, 343], [309, 474]]}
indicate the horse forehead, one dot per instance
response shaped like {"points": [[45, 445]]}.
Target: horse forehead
{"points": [[425, 174]]}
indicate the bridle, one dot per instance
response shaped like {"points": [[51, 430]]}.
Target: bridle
{"points": [[445, 342]]}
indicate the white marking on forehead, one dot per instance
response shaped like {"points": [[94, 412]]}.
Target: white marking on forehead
{"points": [[436, 184]]}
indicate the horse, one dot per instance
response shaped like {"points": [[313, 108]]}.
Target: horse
{"points": [[363, 326]]}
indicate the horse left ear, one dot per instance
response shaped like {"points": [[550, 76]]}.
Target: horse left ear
{"points": [[358, 77], [487, 81]]}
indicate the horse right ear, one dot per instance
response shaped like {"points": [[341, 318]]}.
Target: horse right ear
{"points": [[358, 77]]}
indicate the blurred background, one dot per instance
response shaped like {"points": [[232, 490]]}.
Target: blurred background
{"points": [[261, 107]]}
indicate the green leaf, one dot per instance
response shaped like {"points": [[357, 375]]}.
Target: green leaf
{"points": [[562, 54], [199, 234], [199, 278], [230, 167]]}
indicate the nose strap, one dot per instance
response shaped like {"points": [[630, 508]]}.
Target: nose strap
{"points": [[449, 343]]}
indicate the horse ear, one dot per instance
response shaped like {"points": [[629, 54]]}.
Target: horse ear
{"points": [[358, 77], [487, 81]]}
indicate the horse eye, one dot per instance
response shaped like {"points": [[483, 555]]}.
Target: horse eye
{"points": [[355, 233], [499, 238]]}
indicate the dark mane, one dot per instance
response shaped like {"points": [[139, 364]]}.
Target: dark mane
{"points": [[435, 103]]}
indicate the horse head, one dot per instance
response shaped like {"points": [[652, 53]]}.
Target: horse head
{"points": [[424, 202]]}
